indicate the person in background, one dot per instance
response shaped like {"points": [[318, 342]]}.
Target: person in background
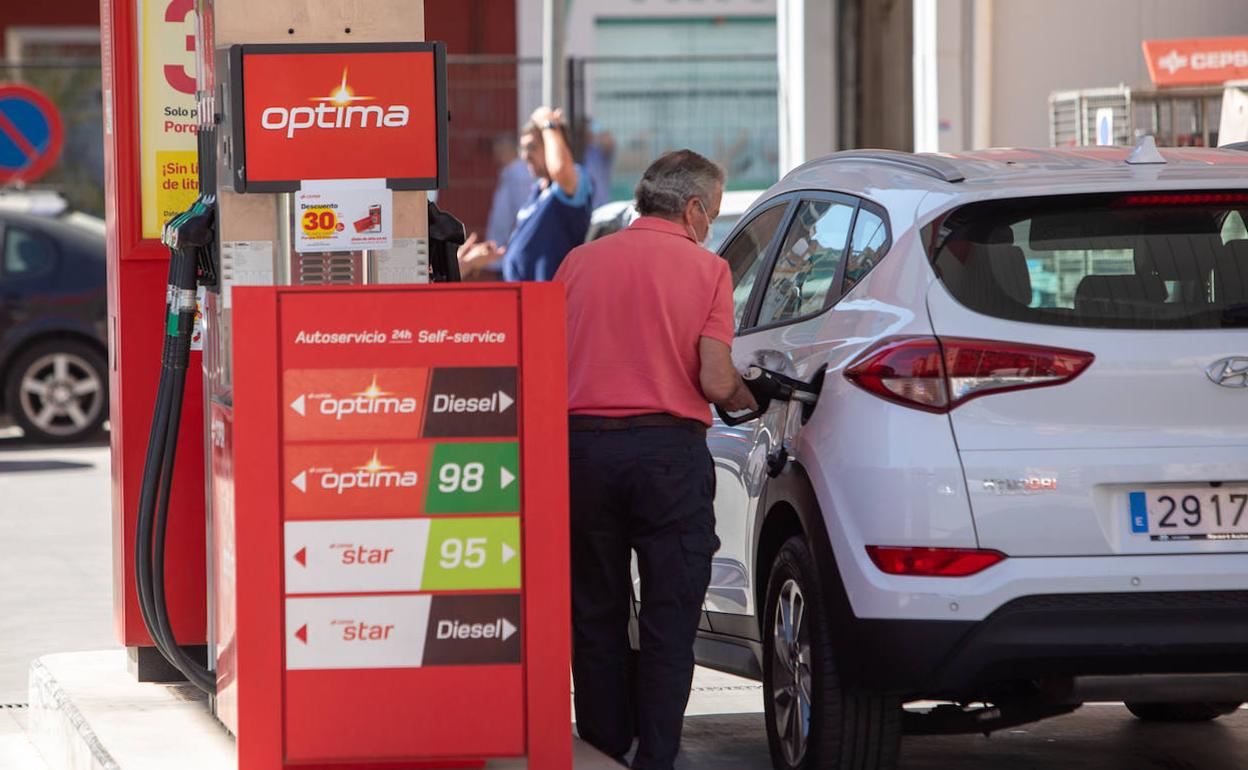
{"points": [[553, 219], [515, 180], [599, 159], [641, 476]]}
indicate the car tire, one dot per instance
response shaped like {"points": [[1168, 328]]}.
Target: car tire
{"points": [[811, 721], [1180, 712], [57, 391]]}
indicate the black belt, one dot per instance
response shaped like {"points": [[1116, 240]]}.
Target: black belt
{"points": [[586, 422]]}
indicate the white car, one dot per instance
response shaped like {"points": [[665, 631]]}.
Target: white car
{"points": [[1025, 482]]}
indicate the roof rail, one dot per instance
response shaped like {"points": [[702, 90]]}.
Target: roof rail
{"points": [[929, 165]]}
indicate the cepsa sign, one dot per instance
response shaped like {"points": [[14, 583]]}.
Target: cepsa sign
{"points": [[352, 111], [1197, 61]]}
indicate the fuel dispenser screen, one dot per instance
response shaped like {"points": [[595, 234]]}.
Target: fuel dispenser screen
{"points": [[404, 505]]}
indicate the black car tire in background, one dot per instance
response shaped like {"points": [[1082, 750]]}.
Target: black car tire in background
{"points": [[843, 731], [1180, 712], [57, 391]]}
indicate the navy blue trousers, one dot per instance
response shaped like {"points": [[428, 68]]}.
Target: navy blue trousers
{"points": [[648, 490]]}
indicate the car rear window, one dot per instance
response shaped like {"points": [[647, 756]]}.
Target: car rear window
{"points": [[1132, 261]]}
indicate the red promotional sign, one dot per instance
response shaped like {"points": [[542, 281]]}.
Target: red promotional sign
{"points": [[364, 111], [1197, 61]]}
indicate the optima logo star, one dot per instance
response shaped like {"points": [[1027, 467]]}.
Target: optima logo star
{"points": [[338, 110], [371, 400], [372, 475]]}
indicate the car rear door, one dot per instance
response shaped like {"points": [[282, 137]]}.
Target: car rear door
{"points": [[1145, 450]]}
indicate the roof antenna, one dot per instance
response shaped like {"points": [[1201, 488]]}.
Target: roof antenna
{"points": [[1145, 152]]}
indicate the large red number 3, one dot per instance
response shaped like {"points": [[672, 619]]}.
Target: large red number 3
{"points": [[310, 220], [176, 74]]}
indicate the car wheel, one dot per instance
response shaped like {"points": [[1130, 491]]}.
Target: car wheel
{"points": [[1180, 712], [811, 721], [58, 391]]}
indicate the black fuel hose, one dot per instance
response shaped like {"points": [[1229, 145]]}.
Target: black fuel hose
{"points": [[193, 227]]}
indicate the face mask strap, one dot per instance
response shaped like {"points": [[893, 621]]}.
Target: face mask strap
{"points": [[706, 238]]}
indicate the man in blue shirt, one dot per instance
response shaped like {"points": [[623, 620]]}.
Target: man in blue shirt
{"points": [[555, 217]]}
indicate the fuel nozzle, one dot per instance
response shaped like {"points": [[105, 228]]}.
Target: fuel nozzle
{"points": [[767, 385]]}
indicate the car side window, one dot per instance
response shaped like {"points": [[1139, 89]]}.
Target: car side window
{"points": [[746, 254], [868, 244], [808, 262], [26, 254]]}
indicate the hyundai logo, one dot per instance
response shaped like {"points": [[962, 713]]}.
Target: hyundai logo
{"points": [[1229, 372]]}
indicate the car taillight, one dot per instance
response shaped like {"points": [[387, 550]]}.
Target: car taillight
{"points": [[939, 374], [932, 562]]}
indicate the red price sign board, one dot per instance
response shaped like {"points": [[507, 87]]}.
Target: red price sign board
{"points": [[337, 111], [404, 546]]}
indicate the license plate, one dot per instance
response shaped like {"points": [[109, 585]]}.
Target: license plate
{"points": [[1190, 513]]}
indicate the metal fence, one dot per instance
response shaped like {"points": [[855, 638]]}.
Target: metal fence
{"points": [[723, 107], [74, 87]]}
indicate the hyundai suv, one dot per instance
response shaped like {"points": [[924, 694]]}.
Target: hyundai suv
{"points": [[1025, 481]]}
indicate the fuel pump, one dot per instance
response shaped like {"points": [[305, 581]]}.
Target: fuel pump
{"points": [[263, 217]]}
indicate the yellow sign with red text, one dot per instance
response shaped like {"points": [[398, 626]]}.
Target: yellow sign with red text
{"points": [[168, 121], [319, 222]]}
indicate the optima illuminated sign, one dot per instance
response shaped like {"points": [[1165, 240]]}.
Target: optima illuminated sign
{"points": [[349, 111], [338, 110]]}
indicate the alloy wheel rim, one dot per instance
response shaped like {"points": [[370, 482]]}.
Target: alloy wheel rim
{"points": [[791, 672], [61, 394]]}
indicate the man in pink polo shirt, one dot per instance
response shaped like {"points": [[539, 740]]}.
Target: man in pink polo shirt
{"points": [[649, 345]]}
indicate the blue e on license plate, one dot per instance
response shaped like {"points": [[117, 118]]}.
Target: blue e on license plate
{"points": [[1190, 513]]}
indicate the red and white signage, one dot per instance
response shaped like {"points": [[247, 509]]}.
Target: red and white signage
{"points": [[316, 112], [330, 481], [354, 404], [348, 556], [395, 604], [356, 631], [1197, 61]]}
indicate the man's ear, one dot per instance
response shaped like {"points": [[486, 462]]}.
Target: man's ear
{"points": [[691, 206]]}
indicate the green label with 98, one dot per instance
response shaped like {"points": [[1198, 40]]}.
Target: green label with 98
{"points": [[474, 478]]}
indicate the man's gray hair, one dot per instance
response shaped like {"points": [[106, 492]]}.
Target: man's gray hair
{"points": [[673, 179]]}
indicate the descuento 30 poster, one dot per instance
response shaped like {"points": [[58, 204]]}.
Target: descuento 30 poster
{"points": [[167, 102]]}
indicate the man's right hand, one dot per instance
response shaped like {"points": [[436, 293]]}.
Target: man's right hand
{"points": [[476, 255], [721, 383]]}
